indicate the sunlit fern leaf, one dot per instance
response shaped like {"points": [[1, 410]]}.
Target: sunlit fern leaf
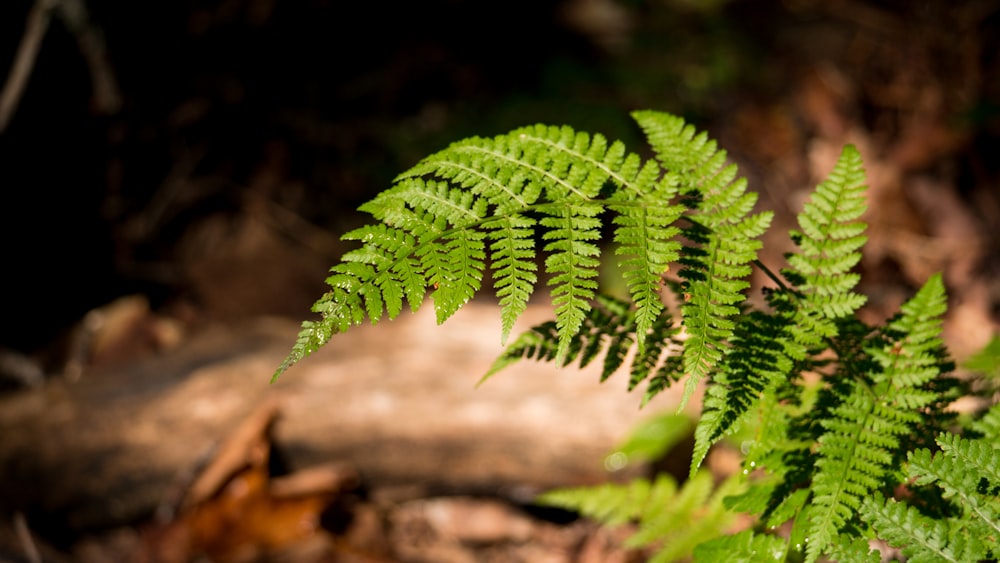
{"points": [[670, 520], [969, 471], [829, 242], [479, 199], [921, 539], [513, 260], [724, 238], [457, 207], [741, 547], [679, 147], [573, 258], [645, 235], [462, 274], [310, 338]]}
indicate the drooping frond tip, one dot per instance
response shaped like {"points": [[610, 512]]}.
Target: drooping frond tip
{"points": [[479, 206]]}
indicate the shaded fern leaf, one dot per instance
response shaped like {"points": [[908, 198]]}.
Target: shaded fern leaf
{"points": [[659, 359], [853, 549], [862, 433], [608, 327], [612, 503], [989, 423], [751, 370], [724, 235]]}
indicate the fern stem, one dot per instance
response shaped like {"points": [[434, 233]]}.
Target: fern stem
{"points": [[770, 274]]}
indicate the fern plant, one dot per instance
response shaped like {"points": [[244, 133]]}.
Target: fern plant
{"points": [[852, 437]]}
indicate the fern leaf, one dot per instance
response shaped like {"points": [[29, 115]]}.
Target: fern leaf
{"points": [[742, 547], [672, 520], [830, 240], [752, 368], [724, 237], [646, 234], [455, 268], [435, 223], [862, 433], [606, 326], [852, 463], [989, 423], [852, 549], [660, 353], [921, 538], [573, 260], [612, 503], [695, 516], [968, 470], [512, 256], [716, 284]]}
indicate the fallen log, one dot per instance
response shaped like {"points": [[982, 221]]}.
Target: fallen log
{"points": [[398, 401]]}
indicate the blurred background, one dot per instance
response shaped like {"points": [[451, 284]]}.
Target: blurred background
{"points": [[204, 157], [179, 150]]}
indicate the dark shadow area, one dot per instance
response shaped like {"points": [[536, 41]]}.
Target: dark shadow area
{"points": [[234, 140]]}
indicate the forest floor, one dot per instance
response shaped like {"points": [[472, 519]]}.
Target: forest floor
{"points": [[194, 219]]}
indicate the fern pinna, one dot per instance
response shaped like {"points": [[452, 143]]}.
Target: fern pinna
{"points": [[841, 415], [485, 203]]}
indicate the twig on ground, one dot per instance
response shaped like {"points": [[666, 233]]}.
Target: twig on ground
{"points": [[27, 542], [24, 60], [73, 13]]}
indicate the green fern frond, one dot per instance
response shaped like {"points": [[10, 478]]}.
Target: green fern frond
{"points": [[716, 282], [696, 515], [752, 368], [613, 503], [910, 358], [512, 254], [968, 470], [681, 149], [671, 520], [921, 538], [645, 235], [573, 259], [988, 424], [608, 327], [829, 244], [479, 206], [853, 549], [862, 433], [742, 547], [723, 236]]}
